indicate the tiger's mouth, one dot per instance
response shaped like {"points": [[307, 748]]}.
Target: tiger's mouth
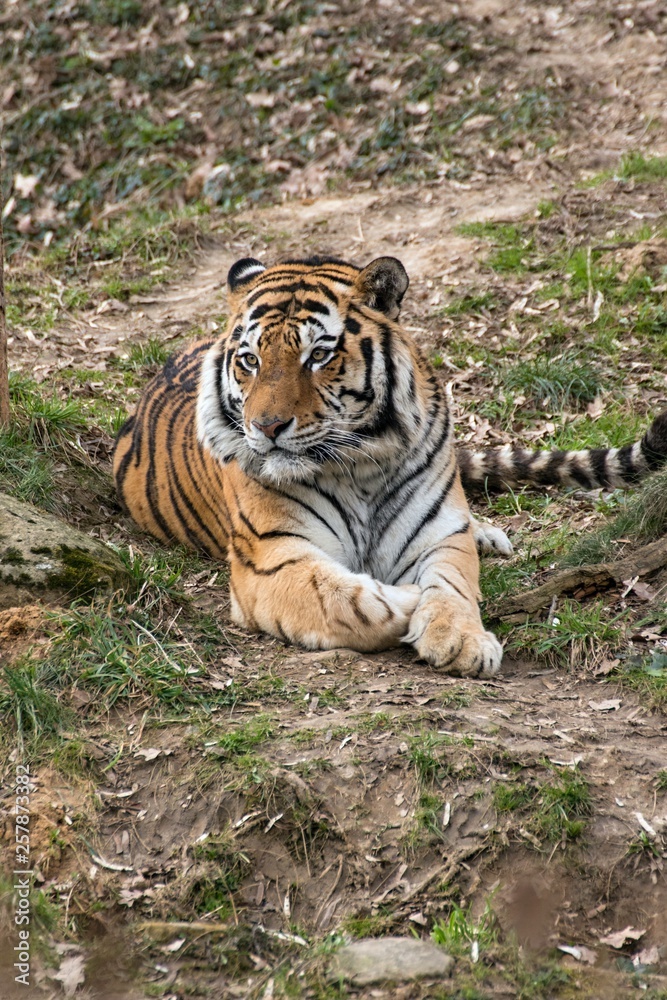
{"points": [[279, 465]]}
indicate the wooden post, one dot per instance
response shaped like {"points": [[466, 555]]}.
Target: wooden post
{"points": [[4, 370]]}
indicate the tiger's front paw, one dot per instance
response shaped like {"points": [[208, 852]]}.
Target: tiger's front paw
{"points": [[457, 647]]}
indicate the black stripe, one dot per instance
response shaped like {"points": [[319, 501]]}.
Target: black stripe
{"points": [[419, 471], [598, 459], [306, 506], [654, 459], [247, 563], [269, 534], [312, 305], [387, 418], [336, 504], [429, 516]]}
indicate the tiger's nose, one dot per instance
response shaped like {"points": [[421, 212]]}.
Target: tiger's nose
{"points": [[272, 428]]}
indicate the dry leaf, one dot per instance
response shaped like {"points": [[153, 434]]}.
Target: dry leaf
{"points": [[261, 99], [644, 592], [610, 705], [150, 753], [71, 974], [25, 184], [618, 938], [174, 945], [418, 109], [606, 667], [595, 408], [647, 956], [580, 953]]}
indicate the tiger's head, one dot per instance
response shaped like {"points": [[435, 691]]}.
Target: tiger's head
{"points": [[312, 369]]}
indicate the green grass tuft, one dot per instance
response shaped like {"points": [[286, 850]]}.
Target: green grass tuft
{"points": [[459, 930], [554, 381], [26, 472], [556, 809], [577, 635], [27, 702], [636, 165], [647, 675], [243, 739], [509, 797], [642, 518], [149, 354], [471, 303]]}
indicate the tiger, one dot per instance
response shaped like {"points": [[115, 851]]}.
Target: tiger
{"points": [[312, 446]]}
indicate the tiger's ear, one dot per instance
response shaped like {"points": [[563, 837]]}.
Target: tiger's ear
{"points": [[242, 272], [382, 285]]}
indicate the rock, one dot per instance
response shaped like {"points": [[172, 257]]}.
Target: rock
{"points": [[41, 556], [397, 959]]}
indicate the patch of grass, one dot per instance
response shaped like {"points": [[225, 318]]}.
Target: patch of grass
{"points": [[545, 209], [114, 657], [242, 739], [149, 354], [553, 810], [636, 165], [115, 653], [471, 303], [555, 382], [316, 765], [460, 931], [46, 420], [220, 868], [510, 796], [512, 245], [562, 807], [27, 702], [642, 845], [74, 758], [498, 579], [647, 675], [372, 925], [26, 472], [577, 635], [455, 697], [160, 574], [428, 814], [427, 754], [642, 517], [504, 234], [661, 780], [44, 914], [613, 429], [586, 274]]}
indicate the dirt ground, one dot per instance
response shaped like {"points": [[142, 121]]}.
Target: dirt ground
{"points": [[328, 831]]}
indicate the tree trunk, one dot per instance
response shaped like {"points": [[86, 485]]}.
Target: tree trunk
{"points": [[4, 370]]}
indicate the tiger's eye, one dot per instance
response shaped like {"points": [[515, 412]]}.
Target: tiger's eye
{"points": [[251, 360], [319, 354]]}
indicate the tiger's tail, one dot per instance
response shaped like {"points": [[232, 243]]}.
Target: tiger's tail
{"points": [[498, 469]]}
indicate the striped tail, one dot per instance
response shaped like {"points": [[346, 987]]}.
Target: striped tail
{"points": [[498, 469]]}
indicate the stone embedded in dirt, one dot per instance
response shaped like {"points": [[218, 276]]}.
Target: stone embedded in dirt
{"points": [[42, 556], [395, 959]]}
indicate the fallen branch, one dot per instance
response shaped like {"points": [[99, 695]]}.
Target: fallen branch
{"points": [[4, 371], [583, 580], [160, 930]]}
